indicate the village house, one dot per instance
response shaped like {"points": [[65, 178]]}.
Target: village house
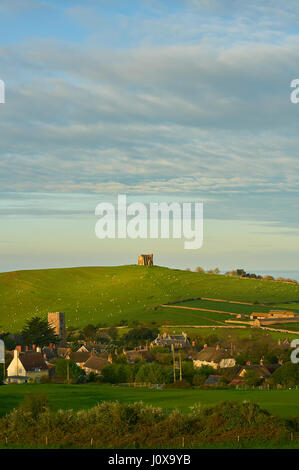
{"points": [[215, 357], [167, 340], [95, 364], [78, 357], [135, 354], [96, 347], [27, 366], [262, 371]]}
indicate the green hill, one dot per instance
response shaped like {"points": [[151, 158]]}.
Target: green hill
{"points": [[110, 294]]}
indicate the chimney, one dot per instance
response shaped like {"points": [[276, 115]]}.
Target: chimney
{"points": [[205, 346], [16, 353], [19, 348], [34, 347]]}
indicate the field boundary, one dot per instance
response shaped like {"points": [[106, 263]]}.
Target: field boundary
{"points": [[201, 309]]}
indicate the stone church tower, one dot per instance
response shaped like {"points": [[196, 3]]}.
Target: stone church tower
{"points": [[57, 321]]}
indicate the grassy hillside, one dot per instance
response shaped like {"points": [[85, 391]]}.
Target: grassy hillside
{"points": [[109, 294]]}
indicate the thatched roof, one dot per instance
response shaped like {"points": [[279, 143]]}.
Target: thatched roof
{"points": [[210, 354]]}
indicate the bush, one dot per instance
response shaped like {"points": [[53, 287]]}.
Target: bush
{"points": [[35, 404], [179, 384], [116, 425]]}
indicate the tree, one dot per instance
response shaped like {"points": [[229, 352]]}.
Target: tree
{"points": [[38, 331], [252, 377], [153, 373], [117, 373], [241, 358], [286, 375], [141, 334], [113, 332], [61, 369], [10, 343], [205, 371], [199, 269], [89, 332], [188, 371]]}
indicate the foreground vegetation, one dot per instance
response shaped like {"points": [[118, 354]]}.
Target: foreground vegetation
{"points": [[110, 295], [136, 425]]}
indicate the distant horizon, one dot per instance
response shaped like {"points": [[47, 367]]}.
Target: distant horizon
{"points": [[285, 273]]}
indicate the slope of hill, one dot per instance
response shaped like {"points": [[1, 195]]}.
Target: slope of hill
{"points": [[110, 294]]}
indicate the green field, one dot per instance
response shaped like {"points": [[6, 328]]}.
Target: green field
{"points": [[180, 316], [286, 326], [225, 306], [231, 334], [284, 403], [110, 294]]}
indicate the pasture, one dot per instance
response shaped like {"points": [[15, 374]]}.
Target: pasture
{"points": [[284, 403], [106, 295]]}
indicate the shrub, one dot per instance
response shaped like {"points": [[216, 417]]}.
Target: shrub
{"points": [[35, 404]]}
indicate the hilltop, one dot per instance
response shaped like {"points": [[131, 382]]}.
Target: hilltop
{"points": [[111, 294]]}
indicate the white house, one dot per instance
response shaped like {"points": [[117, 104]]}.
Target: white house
{"points": [[26, 366]]}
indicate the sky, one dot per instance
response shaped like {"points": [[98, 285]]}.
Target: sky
{"points": [[157, 99]]}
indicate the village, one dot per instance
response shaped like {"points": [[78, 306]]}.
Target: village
{"points": [[147, 357]]}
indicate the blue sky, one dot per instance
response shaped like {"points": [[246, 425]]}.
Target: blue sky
{"points": [[155, 99]]}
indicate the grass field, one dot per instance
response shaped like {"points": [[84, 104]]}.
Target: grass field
{"points": [[224, 306], [284, 403], [231, 334], [286, 326], [110, 294], [181, 316]]}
